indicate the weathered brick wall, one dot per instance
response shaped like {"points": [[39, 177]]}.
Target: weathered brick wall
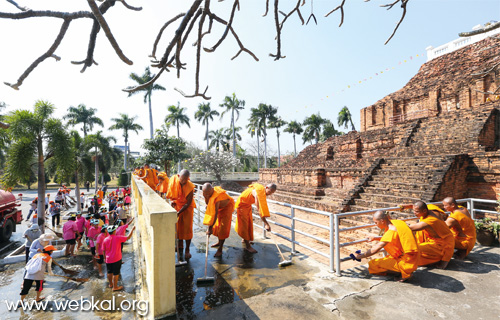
{"points": [[296, 177], [483, 180], [454, 183], [488, 134]]}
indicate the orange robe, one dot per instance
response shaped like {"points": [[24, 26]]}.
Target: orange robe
{"points": [[222, 227], [163, 183], [244, 218], [177, 194], [149, 179], [468, 227], [403, 252], [435, 249], [100, 194]]}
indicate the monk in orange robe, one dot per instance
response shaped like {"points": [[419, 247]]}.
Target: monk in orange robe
{"points": [[180, 192], [220, 207], [462, 227], [162, 185], [400, 244], [149, 177], [100, 194], [434, 238], [254, 195]]}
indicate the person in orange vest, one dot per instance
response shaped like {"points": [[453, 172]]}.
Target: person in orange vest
{"points": [[35, 271]]}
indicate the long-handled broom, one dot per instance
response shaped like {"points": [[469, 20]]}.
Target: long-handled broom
{"points": [[285, 262], [205, 281]]}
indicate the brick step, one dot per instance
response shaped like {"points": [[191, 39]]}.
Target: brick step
{"points": [[389, 179], [418, 159], [411, 193], [387, 198], [296, 195], [412, 166], [376, 204], [335, 193], [407, 173], [399, 185]]}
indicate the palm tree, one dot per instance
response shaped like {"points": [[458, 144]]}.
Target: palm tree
{"points": [[277, 123], [84, 115], [102, 146], [36, 135], [232, 105], [345, 118], [177, 117], [262, 114], [203, 115], [294, 128], [218, 139], [148, 91], [329, 130], [254, 130], [126, 124], [313, 125], [229, 133]]}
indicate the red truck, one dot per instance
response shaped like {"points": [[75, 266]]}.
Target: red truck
{"points": [[10, 216]]}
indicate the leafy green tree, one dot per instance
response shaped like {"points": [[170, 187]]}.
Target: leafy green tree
{"points": [[177, 117], [262, 115], [103, 150], [204, 115], [36, 134], [148, 91], [255, 130], [218, 139], [126, 124], [233, 105], [123, 179], [344, 118], [329, 131], [277, 123], [294, 128], [229, 135], [85, 116], [313, 125], [3, 125], [164, 149], [216, 163], [4, 138]]}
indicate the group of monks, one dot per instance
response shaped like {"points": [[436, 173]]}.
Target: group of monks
{"points": [[220, 207], [430, 241]]}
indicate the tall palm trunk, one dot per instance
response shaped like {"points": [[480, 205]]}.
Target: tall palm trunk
{"points": [[96, 170], [77, 191], [294, 147], [41, 186], [125, 155], [265, 147], [258, 153], [234, 139], [150, 117], [178, 162], [279, 155], [206, 135]]}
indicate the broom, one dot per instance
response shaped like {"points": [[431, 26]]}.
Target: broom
{"points": [[60, 235], [285, 262], [71, 278], [67, 271], [205, 280]]}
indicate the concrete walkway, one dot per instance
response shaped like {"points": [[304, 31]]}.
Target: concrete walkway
{"points": [[254, 287]]}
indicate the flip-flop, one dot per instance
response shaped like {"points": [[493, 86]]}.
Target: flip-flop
{"points": [[40, 299], [118, 289]]}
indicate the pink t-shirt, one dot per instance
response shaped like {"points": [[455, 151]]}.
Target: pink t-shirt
{"points": [[80, 224], [93, 232], [121, 230], [111, 246], [127, 200], [69, 230], [87, 226], [99, 243]]}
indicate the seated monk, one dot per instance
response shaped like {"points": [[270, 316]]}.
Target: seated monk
{"points": [[400, 244], [220, 207], [462, 227], [434, 238], [180, 192], [255, 194]]}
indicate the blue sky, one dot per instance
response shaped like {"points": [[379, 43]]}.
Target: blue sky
{"points": [[321, 60]]}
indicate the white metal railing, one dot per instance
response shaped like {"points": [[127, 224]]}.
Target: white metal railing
{"points": [[334, 225], [233, 176]]}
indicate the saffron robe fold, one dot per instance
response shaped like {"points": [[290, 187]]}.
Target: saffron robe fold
{"points": [[402, 249], [468, 228], [222, 226], [163, 182], [434, 249], [177, 194], [244, 218], [150, 178]]}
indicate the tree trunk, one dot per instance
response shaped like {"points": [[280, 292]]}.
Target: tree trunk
{"points": [[234, 139], [41, 186], [265, 147], [294, 147], [279, 155], [166, 164], [178, 162], [206, 135], [96, 170], [150, 118], [125, 156], [258, 153], [77, 191]]}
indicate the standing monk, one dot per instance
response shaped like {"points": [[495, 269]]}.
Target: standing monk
{"points": [[254, 195], [400, 244], [180, 192], [220, 207], [434, 238], [462, 227], [162, 186], [149, 177]]}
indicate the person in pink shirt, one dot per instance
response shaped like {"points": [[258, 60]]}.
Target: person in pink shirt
{"points": [[122, 228], [87, 224], [80, 225], [92, 236], [99, 248], [70, 234], [113, 255]]}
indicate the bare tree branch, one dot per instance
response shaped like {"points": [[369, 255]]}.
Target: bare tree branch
{"points": [[158, 37], [403, 5], [267, 8], [18, 6], [129, 6], [278, 55], [228, 27], [341, 7]]}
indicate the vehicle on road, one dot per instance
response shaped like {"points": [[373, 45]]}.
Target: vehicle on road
{"points": [[10, 215]]}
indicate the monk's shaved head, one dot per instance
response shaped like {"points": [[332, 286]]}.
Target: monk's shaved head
{"points": [[450, 200], [420, 205], [272, 187], [207, 187], [381, 215], [184, 173]]}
